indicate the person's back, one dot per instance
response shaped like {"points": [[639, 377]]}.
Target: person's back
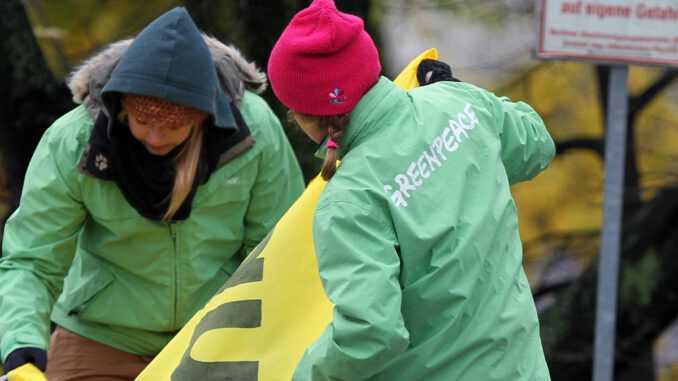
{"points": [[444, 156], [416, 233]]}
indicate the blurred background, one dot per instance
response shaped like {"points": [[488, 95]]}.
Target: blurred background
{"points": [[487, 42]]}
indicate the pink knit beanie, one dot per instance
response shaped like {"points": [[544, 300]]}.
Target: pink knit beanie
{"points": [[323, 62]]}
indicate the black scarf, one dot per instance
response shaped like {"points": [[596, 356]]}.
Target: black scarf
{"points": [[147, 180]]}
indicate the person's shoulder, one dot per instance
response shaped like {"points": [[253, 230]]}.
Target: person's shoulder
{"points": [[449, 87], [75, 124], [260, 118], [70, 132], [352, 185], [447, 92], [348, 200], [254, 107]]}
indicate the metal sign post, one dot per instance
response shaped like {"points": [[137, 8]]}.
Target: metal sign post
{"points": [[608, 264]]}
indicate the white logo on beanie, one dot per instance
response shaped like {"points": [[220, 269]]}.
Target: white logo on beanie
{"points": [[337, 96]]}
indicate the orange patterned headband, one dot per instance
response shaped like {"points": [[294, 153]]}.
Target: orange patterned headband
{"points": [[160, 111]]}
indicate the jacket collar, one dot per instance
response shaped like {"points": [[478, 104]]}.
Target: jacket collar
{"points": [[380, 105]]}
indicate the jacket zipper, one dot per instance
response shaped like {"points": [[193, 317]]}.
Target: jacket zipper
{"points": [[173, 233]]}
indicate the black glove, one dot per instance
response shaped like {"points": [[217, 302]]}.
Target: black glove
{"points": [[21, 356], [431, 71]]}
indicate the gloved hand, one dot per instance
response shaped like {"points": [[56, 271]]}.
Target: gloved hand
{"points": [[431, 71], [22, 356]]}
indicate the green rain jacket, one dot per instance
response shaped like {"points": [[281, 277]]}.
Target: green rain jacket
{"points": [[417, 240], [133, 282]]}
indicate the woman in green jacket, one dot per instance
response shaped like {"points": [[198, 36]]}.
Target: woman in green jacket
{"points": [[416, 233], [139, 204]]}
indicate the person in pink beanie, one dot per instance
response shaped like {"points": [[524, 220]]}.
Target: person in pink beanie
{"points": [[416, 232]]}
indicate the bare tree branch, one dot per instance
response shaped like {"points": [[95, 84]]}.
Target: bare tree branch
{"points": [[638, 102], [596, 145]]}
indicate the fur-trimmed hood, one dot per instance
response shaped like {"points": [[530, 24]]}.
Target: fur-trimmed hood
{"points": [[235, 73]]}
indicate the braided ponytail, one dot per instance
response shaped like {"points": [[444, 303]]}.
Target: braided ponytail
{"points": [[336, 126]]}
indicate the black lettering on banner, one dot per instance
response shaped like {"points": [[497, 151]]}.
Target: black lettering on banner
{"points": [[237, 314]]}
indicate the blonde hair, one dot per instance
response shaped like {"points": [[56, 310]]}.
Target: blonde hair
{"points": [[186, 167], [336, 126]]}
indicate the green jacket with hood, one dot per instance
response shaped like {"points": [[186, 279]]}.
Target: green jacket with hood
{"points": [[132, 282], [417, 240]]}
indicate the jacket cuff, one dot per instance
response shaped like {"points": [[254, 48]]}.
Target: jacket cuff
{"points": [[10, 344]]}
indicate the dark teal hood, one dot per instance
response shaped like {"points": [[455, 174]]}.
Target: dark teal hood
{"points": [[170, 60]]}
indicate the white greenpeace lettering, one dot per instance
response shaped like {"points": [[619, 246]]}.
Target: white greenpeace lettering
{"points": [[423, 167]]}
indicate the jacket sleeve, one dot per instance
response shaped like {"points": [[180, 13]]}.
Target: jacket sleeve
{"points": [[278, 184], [526, 146], [38, 246], [359, 266]]}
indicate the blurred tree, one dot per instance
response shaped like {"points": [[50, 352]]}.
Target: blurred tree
{"points": [[30, 97], [648, 298], [648, 295]]}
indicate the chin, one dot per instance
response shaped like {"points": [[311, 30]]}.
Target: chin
{"points": [[159, 151]]}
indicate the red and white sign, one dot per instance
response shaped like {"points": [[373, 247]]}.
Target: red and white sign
{"points": [[644, 32]]}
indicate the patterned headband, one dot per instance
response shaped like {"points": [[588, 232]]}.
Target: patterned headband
{"points": [[160, 111]]}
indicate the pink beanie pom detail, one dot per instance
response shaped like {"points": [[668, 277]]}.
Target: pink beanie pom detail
{"points": [[324, 61]]}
